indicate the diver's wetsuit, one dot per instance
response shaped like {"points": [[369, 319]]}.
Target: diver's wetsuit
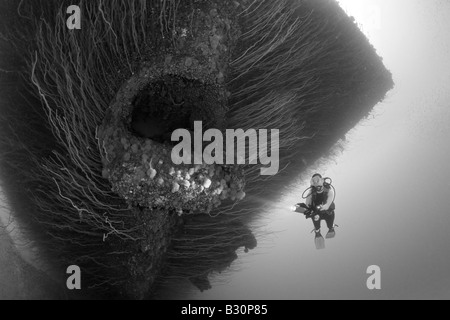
{"points": [[318, 199], [328, 216]]}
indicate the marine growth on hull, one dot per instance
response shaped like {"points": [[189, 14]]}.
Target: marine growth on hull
{"points": [[171, 91]]}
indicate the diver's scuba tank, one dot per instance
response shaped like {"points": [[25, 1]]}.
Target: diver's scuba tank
{"points": [[327, 183]]}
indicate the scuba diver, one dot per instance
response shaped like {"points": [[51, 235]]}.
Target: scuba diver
{"points": [[320, 206]]}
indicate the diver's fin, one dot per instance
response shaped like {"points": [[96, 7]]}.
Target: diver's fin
{"points": [[319, 241], [332, 233]]}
